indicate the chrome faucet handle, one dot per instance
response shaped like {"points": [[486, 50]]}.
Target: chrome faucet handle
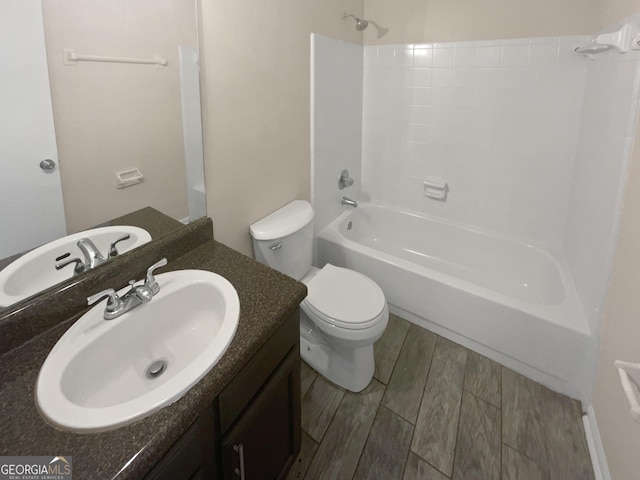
{"points": [[150, 281], [113, 251], [114, 304], [345, 180], [79, 268]]}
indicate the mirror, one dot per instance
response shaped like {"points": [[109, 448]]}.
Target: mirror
{"points": [[124, 101]]}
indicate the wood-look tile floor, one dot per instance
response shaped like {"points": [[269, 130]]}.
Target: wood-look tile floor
{"points": [[436, 411]]}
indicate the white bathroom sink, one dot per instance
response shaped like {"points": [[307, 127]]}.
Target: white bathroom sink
{"points": [[35, 271], [96, 377]]}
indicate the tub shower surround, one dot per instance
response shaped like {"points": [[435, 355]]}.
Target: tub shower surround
{"points": [[336, 123], [533, 142], [497, 120], [532, 139], [607, 131]]}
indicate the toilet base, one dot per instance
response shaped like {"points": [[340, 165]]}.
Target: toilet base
{"points": [[349, 368]]}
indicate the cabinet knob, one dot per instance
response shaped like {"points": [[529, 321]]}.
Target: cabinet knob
{"points": [[239, 449]]}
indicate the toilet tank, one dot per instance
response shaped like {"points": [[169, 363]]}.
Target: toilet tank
{"points": [[284, 239]]}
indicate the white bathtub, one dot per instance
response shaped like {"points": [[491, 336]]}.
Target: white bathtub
{"points": [[507, 300]]}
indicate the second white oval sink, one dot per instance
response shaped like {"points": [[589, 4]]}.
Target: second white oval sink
{"points": [[36, 270], [103, 374]]}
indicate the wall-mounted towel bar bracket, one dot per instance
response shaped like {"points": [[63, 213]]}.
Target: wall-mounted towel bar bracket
{"points": [[70, 57], [621, 40], [630, 379]]}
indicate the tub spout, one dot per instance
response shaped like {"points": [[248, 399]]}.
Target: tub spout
{"points": [[348, 201]]}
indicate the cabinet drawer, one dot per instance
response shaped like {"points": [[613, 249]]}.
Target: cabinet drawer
{"points": [[237, 395]]}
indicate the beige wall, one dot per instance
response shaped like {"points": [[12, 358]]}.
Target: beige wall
{"points": [[255, 87], [620, 340], [611, 11], [426, 21], [620, 333], [111, 117]]}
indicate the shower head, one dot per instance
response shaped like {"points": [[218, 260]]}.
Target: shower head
{"points": [[360, 24]]}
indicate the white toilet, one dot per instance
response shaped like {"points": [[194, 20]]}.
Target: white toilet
{"points": [[344, 313]]}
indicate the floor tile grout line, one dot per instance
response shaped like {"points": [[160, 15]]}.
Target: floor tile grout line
{"points": [[369, 432], [395, 362], [310, 459], [401, 416], [424, 389], [344, 392], [455, 444], [546, 444], [433, 354], [503, 369], [464, 390], [425, 381], [501, 403], [545, 468], [312, 381], [319, 443], [502, 442], [408, 452], [516, 448]]}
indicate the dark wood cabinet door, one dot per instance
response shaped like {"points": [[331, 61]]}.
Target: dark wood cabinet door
{"points": [[192, 456], [266, 439]]}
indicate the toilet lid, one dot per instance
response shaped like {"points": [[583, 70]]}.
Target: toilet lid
{"points": [[344, 297]]}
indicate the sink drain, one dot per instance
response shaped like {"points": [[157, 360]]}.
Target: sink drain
{"points": [[156, 369]]}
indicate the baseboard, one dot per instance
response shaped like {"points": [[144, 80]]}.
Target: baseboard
{"points": [[596, 449]]}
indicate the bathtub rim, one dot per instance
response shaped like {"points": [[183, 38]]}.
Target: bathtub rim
{"points": [[568, 313]]}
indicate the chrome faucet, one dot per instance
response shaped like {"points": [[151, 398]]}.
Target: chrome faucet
{"points": [[91, 253], [135, 296], [348, 201]]}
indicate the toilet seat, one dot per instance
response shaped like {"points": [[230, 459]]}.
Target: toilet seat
{"points": [[344, 298]]}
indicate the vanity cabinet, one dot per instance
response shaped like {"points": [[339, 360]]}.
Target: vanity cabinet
{"points": [[192, 456], [263, 442], [252, 430]]}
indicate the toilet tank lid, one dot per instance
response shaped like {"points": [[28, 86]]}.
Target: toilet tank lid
{"points": [[284, 221]]}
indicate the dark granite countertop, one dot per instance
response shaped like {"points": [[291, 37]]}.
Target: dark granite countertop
{"points": [[156, 223], [266, 299]]}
